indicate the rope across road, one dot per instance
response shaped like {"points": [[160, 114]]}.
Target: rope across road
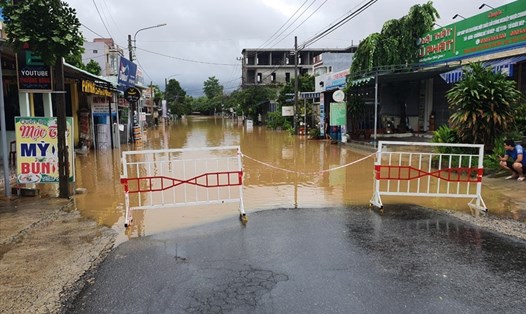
{"points": [[309, 173]]}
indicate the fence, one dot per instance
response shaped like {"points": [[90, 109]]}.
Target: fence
{"points": [[182, 177], [429, 169]]}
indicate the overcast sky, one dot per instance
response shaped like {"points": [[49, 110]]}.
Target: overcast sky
{"points": [[204, 38]]}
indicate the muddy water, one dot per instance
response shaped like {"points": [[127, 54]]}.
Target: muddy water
{"points": [[280, 171]]}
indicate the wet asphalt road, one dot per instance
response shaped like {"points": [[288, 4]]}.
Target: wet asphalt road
{"points": [[355, 260]]}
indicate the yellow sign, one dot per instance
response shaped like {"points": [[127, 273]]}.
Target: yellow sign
{"points": [[89, 87], [37, 149]]}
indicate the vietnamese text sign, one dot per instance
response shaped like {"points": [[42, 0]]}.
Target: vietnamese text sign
{"points": [[338, 113], [33, 74], [287, 111], [37, 149], [500, 28]]}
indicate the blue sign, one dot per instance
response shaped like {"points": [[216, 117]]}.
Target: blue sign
{"points": [[127, 74]]}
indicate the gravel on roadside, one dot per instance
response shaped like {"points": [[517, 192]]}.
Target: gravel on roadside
{"points": [[42, 265]]}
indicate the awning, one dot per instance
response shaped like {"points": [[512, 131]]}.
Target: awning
{"points": [[403, 76], [504, 66], [361, 81]]}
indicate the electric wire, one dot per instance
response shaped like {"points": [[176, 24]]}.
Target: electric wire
{"points": [[305, 20], [101, 19], [269, 39], [340, 23]]}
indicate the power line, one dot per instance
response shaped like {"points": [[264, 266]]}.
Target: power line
{"points": [[186, 60], [101, 19], [269, 40], [92, 31], [340, 23], [305, 20]]}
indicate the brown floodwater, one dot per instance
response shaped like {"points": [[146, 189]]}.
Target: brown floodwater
{"points": [[280, 171]]}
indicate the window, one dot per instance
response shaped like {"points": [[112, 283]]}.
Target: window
{"points": [[273, 77], [259, 78], [287, 77], [95, 51]]}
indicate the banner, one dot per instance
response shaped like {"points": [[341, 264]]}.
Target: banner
{"points": [[498, 29], [127, 74], [37, 149]]}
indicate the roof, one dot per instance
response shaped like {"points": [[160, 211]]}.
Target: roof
{"points": [[72, 70]]}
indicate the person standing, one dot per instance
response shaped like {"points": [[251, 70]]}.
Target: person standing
{"points": [[326, 129], [513, 160]]}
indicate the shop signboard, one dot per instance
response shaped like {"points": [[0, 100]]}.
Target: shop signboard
{"points": [[287, 111], [101, 105], [37, 149], [33, 75], [499, 29], [338, 113], [336, 80], [132, 94], [127, 74]]}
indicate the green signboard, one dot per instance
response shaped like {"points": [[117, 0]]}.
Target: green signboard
{"points": [[500, 28], [338, 113]]}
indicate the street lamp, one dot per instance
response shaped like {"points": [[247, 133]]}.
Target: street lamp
{"points": [[485, 5], [131, 47], [458, 15]]}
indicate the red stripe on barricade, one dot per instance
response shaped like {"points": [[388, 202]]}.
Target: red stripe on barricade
{"points": [[472, 174], [166, 183]]}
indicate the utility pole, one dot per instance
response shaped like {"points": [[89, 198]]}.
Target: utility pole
{"points": [[130, 47], [295, 84]]}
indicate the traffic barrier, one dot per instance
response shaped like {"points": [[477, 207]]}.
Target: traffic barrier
{"points": [[182, 177], [429, 169]]}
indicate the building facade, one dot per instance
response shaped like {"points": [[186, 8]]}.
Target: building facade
{"points": [[277, 66]]}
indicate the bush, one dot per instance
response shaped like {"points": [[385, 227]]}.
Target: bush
{"points": [[275, 120], [314, 133]]}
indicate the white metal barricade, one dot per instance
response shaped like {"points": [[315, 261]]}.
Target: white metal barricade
{"points": [[182, 177], [429, 169]]}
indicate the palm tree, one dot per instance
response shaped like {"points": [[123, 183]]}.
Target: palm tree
{"points": [[484, 105]]}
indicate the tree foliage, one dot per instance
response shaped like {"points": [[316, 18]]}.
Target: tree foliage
{"points": [[93, 67], [212, 88], [176, 98], [396, 44], [48, 27], [484, 105]]}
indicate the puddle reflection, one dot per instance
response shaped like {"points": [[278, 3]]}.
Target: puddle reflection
{"points": [[280, 171]]}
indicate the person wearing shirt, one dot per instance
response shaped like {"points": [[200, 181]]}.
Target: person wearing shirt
{"points": [[513, 160]]}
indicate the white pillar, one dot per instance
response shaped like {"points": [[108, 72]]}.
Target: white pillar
{"points": [[25, 109], [48, 108]]}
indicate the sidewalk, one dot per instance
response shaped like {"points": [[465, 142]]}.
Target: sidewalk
{"points": [[45, 248]]}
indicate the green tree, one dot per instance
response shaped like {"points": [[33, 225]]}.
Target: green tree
{"points": [[396, 44], [176, 98], [93, 67], [253, 98], [51, 29], [76, 60], [484, 105], [212, 88], [214, 94]]}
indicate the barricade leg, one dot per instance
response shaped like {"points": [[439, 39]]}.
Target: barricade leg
{"points": [[478, 203], [242, 215], [376, 200], [128, 218]]}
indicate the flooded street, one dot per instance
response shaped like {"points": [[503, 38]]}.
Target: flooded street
{"points": [[280, 171]]}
